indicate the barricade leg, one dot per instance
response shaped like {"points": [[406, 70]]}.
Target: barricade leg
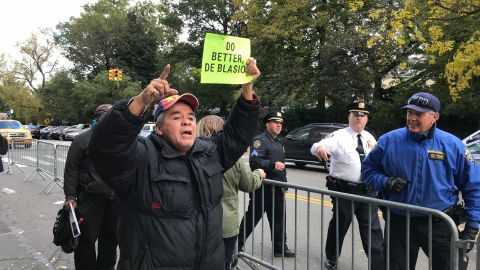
{"points": [[38, 171], [56, 182], [52, 183]]}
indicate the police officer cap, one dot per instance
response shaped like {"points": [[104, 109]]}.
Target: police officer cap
{"points": [[423, 102], [273, 116], [359, 108]]}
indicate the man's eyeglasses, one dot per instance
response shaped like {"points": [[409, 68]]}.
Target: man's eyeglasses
{"points": [[419, 101]]}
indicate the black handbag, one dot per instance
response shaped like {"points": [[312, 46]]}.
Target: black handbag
{"points": [[62, 233]]}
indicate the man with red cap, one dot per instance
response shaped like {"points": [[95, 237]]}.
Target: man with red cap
{"points": [[170, 184]]}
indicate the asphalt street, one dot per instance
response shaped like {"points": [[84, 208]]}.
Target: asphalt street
{"points": [[26, 221]]}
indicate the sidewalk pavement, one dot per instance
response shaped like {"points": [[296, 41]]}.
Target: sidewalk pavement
{"points": [[26, 221]]}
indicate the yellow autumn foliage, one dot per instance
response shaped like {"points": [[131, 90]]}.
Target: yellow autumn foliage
{"points": [[465, 65]]}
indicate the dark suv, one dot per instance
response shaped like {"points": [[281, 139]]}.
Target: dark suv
{"points": [[297, 144]]}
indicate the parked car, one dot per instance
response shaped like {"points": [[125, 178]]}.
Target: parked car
{"points": [[147, 129], [36, 131], [70, 136], [474, 148], [45, 132], [14, 131], [297, 144], [472, 137], [56, 133], [74, 128]]}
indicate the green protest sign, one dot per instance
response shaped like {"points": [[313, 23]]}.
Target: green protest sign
{"points": [[224, 59]]}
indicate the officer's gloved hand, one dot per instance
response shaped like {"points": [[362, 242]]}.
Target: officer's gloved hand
{"points": [[469, 233], [397, 184]]}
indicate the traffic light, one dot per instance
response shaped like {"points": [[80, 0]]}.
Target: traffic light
{"points": [[115, 74], [111, 74]]}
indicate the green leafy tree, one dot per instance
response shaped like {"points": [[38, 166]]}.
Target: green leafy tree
{"points": [[212, 16], [89, 94], [15, 95], [57, 99], [39, 59], [110, 33]]}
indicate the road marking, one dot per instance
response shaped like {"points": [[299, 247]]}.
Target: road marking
{"points": [[305, 199], [316, 201]]}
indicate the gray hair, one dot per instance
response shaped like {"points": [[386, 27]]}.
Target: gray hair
{"points": [[160, 119]]}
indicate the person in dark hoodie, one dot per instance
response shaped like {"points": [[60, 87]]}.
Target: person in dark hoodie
{"points": [[95, 204], [169, 185], [3, 149]]}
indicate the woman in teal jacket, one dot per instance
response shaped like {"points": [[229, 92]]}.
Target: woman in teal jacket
{"points": [[239, 177]]}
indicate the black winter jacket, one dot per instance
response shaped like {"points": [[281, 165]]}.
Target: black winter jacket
{"points": [[171, 212], [80, 174], [3, 150]]}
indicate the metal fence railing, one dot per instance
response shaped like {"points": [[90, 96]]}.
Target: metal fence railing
{"points": [[305, 221], [306, 224], [47, 159]]}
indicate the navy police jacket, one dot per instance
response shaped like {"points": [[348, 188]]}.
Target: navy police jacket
{"points": [[264, 152]]}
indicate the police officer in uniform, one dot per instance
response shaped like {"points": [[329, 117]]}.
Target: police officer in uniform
{"points": [[423, 165], [267, 153], [347, 148]]}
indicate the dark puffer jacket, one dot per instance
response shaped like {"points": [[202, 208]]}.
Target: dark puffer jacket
{"points": [[3, 149], [80, 174], [171, 212]]}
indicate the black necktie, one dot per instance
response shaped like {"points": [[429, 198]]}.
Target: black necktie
{"points": [[359, 148]]}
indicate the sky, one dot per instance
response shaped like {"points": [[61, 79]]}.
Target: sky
{"points": [[20, 18]]}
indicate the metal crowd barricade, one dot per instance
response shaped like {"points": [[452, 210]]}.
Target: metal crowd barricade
{"points": [[47, 159], [37, 154], [34, 160], [61, 152], [21, 153], [306, 225]]}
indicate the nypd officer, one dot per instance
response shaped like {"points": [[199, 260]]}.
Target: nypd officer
{"points": [[347, 148], [266, 152], [423, 165]]}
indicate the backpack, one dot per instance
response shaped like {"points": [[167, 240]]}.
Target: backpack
{"points": [[62, 233]]}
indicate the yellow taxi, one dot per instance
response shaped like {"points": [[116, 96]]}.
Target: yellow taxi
{"points": [[14, 131]]}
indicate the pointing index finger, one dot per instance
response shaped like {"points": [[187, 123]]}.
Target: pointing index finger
{"points": [[165, 72]]}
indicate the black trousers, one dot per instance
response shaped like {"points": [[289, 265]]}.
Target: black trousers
{"points": [[100, 222], [364, 218], [229, 244], [275, 214], [418, 239]]}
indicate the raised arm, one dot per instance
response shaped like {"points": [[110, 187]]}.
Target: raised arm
{"points": [[113, 145], [240, 127]]}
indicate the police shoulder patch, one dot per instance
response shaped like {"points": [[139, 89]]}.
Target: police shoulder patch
{"points": [[370, 144], [469, 156], [256, 144]]}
